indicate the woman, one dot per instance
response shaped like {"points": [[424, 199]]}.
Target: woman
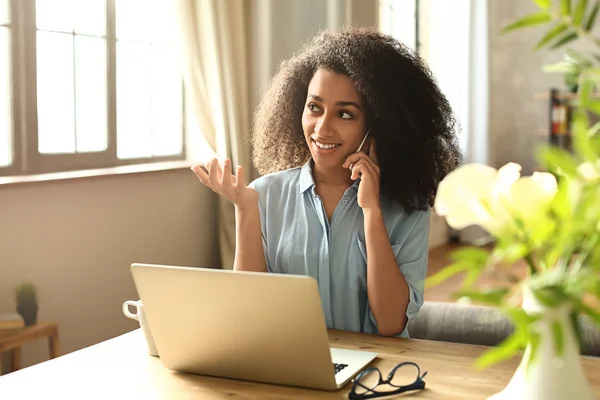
{"points": [[356, 221]]}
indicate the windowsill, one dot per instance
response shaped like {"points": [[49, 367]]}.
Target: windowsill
{"points": [[90, 173]]}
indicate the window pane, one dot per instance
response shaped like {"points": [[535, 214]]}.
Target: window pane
{"points": [[134, 19], [146, 20], [5, 96], [164, 22], [398, 19], [56, 133], [90, 17], [4, 12], [55, 15], [166, 102], [134, 100], [90, 93]]}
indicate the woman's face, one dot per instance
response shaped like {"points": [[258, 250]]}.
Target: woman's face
{"points": [[333, 119]]}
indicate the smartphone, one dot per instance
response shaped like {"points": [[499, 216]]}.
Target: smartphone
{"points": [[363, 141], [361, 145]]}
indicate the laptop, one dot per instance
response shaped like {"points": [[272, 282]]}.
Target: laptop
{"points": [[261, 327]]}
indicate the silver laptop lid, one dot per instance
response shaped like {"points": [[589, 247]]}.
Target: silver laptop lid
{"points": [[240, 325]]}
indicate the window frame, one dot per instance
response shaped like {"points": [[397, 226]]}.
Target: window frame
{"points": [[27, 160], [16, 162], [417, 19]]}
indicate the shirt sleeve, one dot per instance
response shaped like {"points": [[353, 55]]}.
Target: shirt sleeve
{"points": [[412, 255], [256, 185]]}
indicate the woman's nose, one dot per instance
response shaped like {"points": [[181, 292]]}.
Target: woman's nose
{"points": [[323, 127]]}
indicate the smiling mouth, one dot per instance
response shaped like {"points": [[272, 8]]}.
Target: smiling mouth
{"points": [[325, 146]]}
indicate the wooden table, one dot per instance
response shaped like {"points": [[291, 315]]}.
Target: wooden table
{"points": [[121, 368], [12, 340]]}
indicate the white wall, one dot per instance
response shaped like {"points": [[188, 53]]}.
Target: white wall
{"points": [[76, 238]]}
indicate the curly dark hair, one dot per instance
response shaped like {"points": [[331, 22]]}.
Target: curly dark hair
{"points": [[410, 119]]}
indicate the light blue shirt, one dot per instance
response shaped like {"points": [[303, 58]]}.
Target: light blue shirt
{"points": [[299, 239]]}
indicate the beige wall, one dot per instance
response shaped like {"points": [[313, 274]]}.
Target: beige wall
{"points": [[76, 239], [516, 76]]}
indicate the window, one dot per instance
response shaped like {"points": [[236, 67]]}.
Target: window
{"points": [[451, 36], [399, 18], [101, 85], [5, 86]]}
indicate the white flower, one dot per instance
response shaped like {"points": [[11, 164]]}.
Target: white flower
{"points": [[477, 194]]}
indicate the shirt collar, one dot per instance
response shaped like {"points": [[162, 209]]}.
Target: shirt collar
{"points": [[307, 181], [306, 177]]}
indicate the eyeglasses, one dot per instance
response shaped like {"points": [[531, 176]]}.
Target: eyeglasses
{"points": [[402, 378]]}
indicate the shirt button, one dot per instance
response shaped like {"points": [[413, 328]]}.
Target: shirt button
{"points": [[345, 201]]}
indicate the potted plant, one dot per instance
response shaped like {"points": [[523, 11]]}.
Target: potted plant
{"points": [[551, 220], [27, 302]]}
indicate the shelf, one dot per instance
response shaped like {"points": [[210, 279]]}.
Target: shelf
{"points": [[562, 96]]}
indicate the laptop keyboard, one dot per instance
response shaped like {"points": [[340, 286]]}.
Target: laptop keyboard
{"points": [[339, 367]]}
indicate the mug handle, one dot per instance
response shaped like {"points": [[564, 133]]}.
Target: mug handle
{"points": [[128, 313]]}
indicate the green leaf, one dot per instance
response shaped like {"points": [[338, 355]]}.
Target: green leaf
{"points": [[573, 317], [580, 126], [562, 67], [565, 7], [561, 203], [488, 296], [559, 337], [505, 350], [593, 73], [520, 318], [511, 252], [446, 273], [579, 11], [594, 129], [594, 106], [591, 20], [543, 4], [550, 296], [534, 19], [567, 38], [542, 230], [471, 277], [475, 255], [595, 137], [551, 34], [585, 91], [577, 57], [558, 160]]}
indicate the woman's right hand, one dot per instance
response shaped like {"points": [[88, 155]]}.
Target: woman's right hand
{"points": [[221, 181]]}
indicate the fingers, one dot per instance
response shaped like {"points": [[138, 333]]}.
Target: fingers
{"points": [[226, 175], [241, 182], [214, 175], [218, 177], [201, 173], [361, 167], [356, 157]]}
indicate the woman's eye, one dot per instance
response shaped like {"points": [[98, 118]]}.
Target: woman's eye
{"points": [[313, 107], [345, 115]]}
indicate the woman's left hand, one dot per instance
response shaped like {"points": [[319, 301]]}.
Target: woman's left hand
{"points": [[365, 167]]}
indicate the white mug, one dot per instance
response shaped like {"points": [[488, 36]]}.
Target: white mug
{"points": [[140, 316]]}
